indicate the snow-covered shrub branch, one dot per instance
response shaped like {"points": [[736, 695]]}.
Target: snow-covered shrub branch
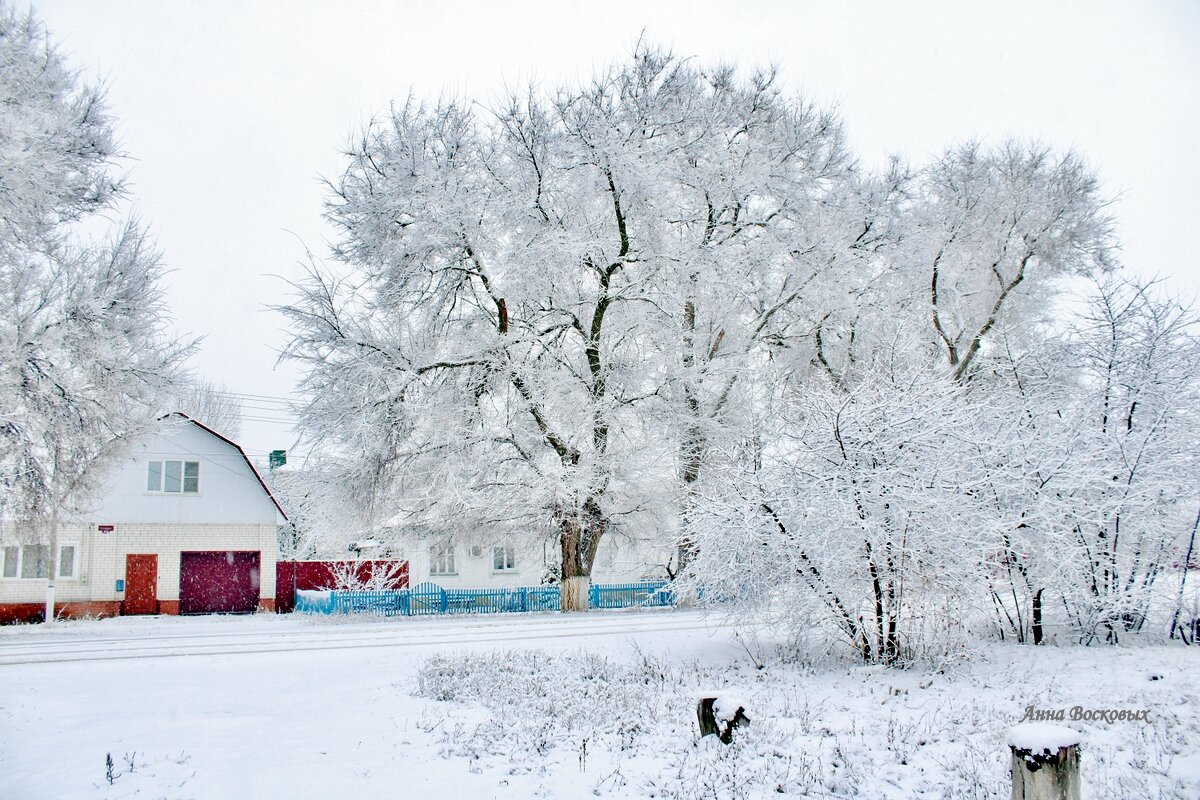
{"points": [[858, 514]]}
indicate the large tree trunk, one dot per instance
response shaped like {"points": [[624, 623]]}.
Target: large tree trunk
{"points": [[575, 593], [691, 447], [580, 533], [690, 454]]}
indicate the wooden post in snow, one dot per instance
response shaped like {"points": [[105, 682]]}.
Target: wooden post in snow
{"points": [[721, 715], [1045, 762]]}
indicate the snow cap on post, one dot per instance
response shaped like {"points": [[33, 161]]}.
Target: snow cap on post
{"points": [[1045, 762], [1041, 738], [721, 713]]}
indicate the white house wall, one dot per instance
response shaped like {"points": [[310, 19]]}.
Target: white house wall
{"points": [[101, 559], [618, 561]]}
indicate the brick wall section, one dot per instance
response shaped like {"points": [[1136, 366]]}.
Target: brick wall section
{"points": [[32, 612]]}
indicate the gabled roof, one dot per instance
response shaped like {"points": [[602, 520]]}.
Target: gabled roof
{"points": [[236, 446]]}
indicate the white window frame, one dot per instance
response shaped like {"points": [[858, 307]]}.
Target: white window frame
{"points": [[74, 559], [162, 476], [443, 558], [20, 562], [507, 554]]}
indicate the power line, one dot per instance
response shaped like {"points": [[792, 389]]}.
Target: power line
{"points": [[261, 397], [272, 409]]}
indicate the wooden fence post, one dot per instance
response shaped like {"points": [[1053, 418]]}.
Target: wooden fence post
{"points": [[1045, 762], [721, 715]]}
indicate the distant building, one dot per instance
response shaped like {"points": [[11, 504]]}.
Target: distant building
{"points": [[480, 561]]}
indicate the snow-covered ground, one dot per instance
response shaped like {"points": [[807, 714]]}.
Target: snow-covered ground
{"points": [[550, 706]]}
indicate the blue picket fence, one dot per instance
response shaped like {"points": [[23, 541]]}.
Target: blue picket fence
{"points": [[626, 595], [429, 598]]}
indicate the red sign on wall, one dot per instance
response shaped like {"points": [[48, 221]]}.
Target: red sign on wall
{"points": [[105, 528]]}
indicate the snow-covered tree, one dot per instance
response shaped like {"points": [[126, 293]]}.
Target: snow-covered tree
{"points": [[56, 139], [1138, 475], [84, 350], [321, 520], [1027, 454], [539, 310], [993, 232], [966, 263], [1092, 464]]}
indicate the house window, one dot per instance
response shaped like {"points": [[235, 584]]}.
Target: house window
{"points": [[33, 561], [504, 558], [66, 561], [12, 560], [441, 559], [173, 477]]}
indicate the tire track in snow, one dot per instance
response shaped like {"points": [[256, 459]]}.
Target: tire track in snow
{"points": [[325, 634], [327, 637], [193, 649], [423, 623]]}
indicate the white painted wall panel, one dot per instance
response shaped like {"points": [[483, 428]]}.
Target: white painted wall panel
{"points": [[229, 491]]}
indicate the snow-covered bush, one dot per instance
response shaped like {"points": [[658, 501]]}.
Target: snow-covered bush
{"points": [[859, 517], [538, 701]]}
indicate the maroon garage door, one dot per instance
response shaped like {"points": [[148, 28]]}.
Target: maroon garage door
{"points": [[225, 581]]}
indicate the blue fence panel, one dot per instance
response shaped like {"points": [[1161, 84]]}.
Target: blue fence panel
{"points": [[485, 601], [427, 598], [314, 602], [384, 602], [544, 598], [430, 599], [626, 595]]}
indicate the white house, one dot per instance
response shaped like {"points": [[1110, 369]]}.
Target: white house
{"points": [[482, 562], [184, 524]]}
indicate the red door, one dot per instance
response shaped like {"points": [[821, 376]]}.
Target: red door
{"points": [[219, 582], [141, 584]]}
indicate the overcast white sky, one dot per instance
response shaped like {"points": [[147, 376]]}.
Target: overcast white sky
{"points": [[231, 111]]}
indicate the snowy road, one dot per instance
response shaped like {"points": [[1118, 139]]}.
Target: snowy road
{"points": [[268, 706], [166, 640]]}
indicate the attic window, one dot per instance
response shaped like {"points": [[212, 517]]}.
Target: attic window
{"points": [[173, 477]]}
